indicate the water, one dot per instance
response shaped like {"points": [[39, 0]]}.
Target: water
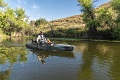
{"points": [[89, 61]]}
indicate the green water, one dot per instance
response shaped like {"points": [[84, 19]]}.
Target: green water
{"points": [[88, 61]]}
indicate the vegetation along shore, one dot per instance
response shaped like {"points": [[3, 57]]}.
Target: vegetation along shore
{"points": [[101, 23]]}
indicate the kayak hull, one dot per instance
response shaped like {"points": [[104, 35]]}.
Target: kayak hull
{"points": [[54, 47]]}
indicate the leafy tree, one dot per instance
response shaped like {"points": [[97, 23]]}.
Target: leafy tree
{"points": [[116, 7], [32, 23], [21, 21], [116, 4], [105, 17], [89, 16], [41, 21], [13, 21], [1, 17], [8, 21], [2, 3], [20, 13]]}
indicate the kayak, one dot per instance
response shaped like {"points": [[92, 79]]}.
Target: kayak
{"points": [[53, 47]]}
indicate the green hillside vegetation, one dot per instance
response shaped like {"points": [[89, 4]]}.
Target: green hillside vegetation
{"points": [[93, 23], [102, 22]]}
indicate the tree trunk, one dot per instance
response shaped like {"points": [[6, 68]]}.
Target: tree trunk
{"points": [[92, 32]]}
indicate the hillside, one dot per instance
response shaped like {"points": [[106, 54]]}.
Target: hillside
{"points": [[73, 21]]}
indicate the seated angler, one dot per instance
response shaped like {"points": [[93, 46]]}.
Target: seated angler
{"points": [[41, 38]]}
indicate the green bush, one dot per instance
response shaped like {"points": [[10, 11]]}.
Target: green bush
{"points": [[116, 33], [104, 34]]}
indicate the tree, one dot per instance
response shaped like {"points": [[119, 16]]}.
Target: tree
{"points": [[89, 16], [20, 13], [8, 21], [116, 7], [20, 19], [105, 17], [2, 3], [32, 23], [13, 21], [41, 21]]}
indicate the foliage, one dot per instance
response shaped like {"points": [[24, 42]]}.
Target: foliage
{"points": [[116, 5], [2, 3], [32, 23], [116, 33], [13, 21], [70, 33], [8, 21], [104, 34], [105, 17], [65, 33], [89, 16], [41, 21], [20, 13]]}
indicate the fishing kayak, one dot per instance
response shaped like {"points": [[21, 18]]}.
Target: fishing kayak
{"points": [[53, 47]]}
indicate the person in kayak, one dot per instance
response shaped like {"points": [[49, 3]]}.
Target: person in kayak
{"points": [[41, 38]]}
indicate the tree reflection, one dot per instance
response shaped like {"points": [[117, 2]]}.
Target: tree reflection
{"points": [[115, 64], [92, 53], [13, 42], [100, 60], [11, 55], [4, 75], [85, 72], [42, 55]]}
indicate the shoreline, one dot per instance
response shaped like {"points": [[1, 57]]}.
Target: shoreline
{"points": [[69, 39], [94, 40]]}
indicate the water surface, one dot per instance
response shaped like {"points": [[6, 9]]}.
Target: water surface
{"points": [[89, 61]]}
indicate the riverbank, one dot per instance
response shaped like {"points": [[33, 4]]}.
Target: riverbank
{"points": [[64, 39], [72, 39]]}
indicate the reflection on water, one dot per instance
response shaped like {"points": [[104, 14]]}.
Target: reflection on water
{"points": [[89, 61], [13, 42], [8, 57], [4, 75], [42, 55], [101, 61]]}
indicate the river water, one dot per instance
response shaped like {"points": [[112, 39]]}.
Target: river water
{"points": [[88, 61]]}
